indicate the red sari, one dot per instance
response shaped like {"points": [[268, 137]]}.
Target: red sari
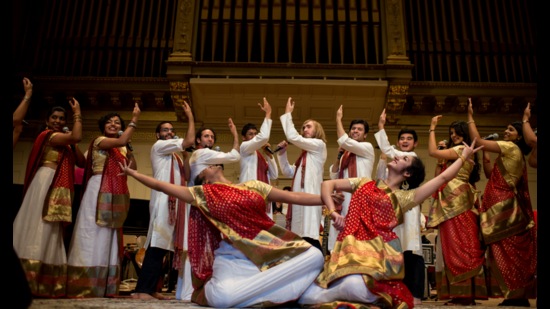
{"points": [[507, 224], [368, 245]]}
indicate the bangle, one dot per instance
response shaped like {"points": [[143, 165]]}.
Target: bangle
{"points": [[26, 98], [133, 125], [462, 158], [330, 212], [431, 130], [471, 121], [486, 161], [524, 121]]}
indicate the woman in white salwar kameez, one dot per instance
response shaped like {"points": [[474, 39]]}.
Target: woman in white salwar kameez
{"points": [[95, 250], [48, 189], [239, 256]]}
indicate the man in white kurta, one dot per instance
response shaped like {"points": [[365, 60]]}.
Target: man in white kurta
{"points": [[409, 232], [305, 221], [251, 155], [167, 165], [353, 144], [201, 158]]}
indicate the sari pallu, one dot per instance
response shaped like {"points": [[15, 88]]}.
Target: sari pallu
{"points": [[58, 201], [368, 245], [508, 226], [238, 212], [113, 200]]}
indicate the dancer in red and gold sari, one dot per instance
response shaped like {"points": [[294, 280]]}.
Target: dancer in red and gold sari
{"points": [[95, 252], [366, 265], [239, 256], [459, 271], [47, 204], [507, 221]]}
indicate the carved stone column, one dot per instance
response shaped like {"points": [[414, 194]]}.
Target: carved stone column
{"points": [[396, 98], [395, 33], [179, 91], [184, 31]]}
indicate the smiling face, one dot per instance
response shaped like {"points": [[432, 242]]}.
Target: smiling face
{"points": [[56, 121], [112, 126], [510, 134], [166, 131], [357, 132], [406, 142], [455, 137]]}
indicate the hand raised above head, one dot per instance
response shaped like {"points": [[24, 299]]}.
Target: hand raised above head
{"points": [[289, 105]]}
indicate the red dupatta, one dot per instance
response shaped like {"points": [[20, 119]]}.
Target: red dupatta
{"points": [[300, 162]]}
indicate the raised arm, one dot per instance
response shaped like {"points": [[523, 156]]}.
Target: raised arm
{"points": [[427, 189], [528, 133], [433, 149], [190, 135], [233, 130], [490, 146], [21, 110]]}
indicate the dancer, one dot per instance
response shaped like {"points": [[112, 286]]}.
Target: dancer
{"points": [[166, 213], [203, 156], [306, 172], [409, 231], [506, 217], [366, 265], [460, 258], [355, 159], [95, 252], [256, 165], [239, 256], [47, 203]]}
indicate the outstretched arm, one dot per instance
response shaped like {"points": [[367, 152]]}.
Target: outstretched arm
{"points": [[178, 191]]}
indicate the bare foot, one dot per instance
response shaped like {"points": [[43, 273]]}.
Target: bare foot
{"points": [[142, 296], [160, 296], [417, 301]]}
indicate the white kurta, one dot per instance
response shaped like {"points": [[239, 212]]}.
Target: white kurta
{"points": [[306, 221], [409, 232], [249, 158], [199, 160], [365, 157], [161, 233]]}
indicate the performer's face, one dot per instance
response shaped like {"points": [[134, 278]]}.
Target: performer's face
{"points": [[167, 132], [56, 121], [357, 132], [112, 126]]}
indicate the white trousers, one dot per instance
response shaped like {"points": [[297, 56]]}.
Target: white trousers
{"points": [[237, 282]]}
